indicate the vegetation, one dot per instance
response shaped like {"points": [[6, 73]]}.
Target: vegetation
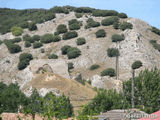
{"points": [[91, 23], [56, 38], [53, 56], [16, 40], [13, 48], [70, 35], [16, 31], [148, 80], [32, 26], [74, 24], [27, 44], [24, 60], [36, 38], [94, 67], [122, 15], [1, 42], [47, 38], [112, 52], [81, 41], [100, 33], [104, 13], [37, 45], [108, 72], [109, 21], [117, 38], [155, 30], [73, 52], [116, 25], [42, 50], [64, 49], [84, 10], [136, 64], [155, 44], [125, 25], [78, 15], [70, 66], [61, 29]]}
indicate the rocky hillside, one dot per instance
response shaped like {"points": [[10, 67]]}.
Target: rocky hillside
{"points": [[48, 74]]}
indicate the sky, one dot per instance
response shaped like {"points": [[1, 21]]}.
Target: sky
{"points": [[147, 10]]}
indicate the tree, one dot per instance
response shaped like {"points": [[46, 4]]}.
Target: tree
{"points": [[91, 23], [108, 72], [27, 44], [32, 26], [37, 45], [122, 15], [73, 52], [70, 35], [93, 67], [56, 38], [109, 21], [64, 49], [125, 25], [100, 33], [61, 29], [74, 24], [53, 56], [117, 38], [81, 41], [147, 87], [135, 65], [13, 48], [47, 38]]}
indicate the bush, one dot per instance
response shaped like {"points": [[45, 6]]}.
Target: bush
{"points": [[112, 52], [32, 26], [104, 13], [70, 66], [155, 30], [1, 42], [47, 38], [116, 25], [81, 41], [73, 52], [125, 25], [122, 15], [23, 25], [36, 38], [53, 56], [91, 23], [84, 10], [27, 44], [93, 67], [155, 45], [70, 35], [74, 24], [56, 38], [16, 40], [16, 31], [64, 49], [100, 33], [109, 21], [28, 38], [49, 17], [57, 9], [61, 29], [37, 44], [108, 72], [117, 38], [24, 60], [13, 48], [137, 64], [78, 15], [42, 50]]}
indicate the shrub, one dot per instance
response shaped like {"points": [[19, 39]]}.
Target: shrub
{"points": [[47, 38], [42, 50], [61, 29], [81, 41], [70, 66], [13, 48], [16, 31], [116, 25], [84, 10], [93, 67], [91, 23], [57, 9], [112, 52], [117, 38], [108, 72], [27, 44], [109, 21], [100, 33], [122, 15], [16, 40], [56, 38], [73, 52], [137, 64], [28, 38], [1, 42], [125, 25], [23, 25], [70, 35], [32, 26], [104, 13], [74, 24], [53, 56], [36, 38], [155, 45], [24, 60], [49, 17], [78, 15], [37, 44], [155, 30], [64, 49]]}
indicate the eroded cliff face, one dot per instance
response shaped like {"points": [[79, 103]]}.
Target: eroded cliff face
{"points": [[136, 46]]}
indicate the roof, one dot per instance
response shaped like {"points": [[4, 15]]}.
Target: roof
{"points": [[153, 116]]}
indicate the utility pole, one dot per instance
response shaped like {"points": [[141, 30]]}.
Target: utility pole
{"points": [[132, 100]]}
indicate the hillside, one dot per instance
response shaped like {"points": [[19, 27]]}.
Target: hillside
{"points": [[53, 74]]}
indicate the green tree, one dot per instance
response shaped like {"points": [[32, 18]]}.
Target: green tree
{"points": [[108, 72], [32, 26], [109, 21], [47, 38], [70, 35], [93, 67], [37, 44], [122, 15], [125, 25], [64, 49], [100, 33], [61, 29], [53, 56], [117, 38], [81, 41], [73, 52], [91, 23]]}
